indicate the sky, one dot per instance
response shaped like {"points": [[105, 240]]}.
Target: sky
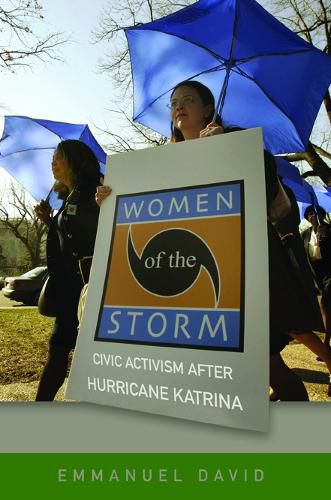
{"points": [[72, 91]]}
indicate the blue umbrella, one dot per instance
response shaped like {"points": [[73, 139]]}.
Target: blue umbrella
{"points": [[27, 146], [323, 200], [260, 72], [287, 170], [290, 175], [305, 193], [323, 196]]}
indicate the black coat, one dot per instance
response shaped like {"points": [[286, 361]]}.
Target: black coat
{"points": [[72, 234], [293, 290], [293, 293], [321, 267]]}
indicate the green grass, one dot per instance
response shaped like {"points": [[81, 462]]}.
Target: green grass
{"points": [[23, 344]]}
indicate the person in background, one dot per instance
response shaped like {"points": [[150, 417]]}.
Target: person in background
{"points": [[71, 237], [288, 230], [317, 243]]}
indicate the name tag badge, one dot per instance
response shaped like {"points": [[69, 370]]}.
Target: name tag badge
{"points": [[71, 209]]}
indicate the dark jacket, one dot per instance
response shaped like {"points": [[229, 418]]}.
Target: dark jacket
{"points": [[321, 267], [293, 292], [72, 233]]}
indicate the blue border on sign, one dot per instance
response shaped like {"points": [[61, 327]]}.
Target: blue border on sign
{"points": [[176, 327], [206, 201]]}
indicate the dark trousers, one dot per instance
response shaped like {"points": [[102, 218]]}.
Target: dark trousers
{"points": [[54, 373]]}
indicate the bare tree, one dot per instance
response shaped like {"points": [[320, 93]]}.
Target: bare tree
{"points": [[113, 20], [133, 136], [17, 214], [118, 16], [308, 18], [19, 39], [311, 19]]}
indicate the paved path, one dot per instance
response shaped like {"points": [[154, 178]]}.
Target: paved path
{"points": [[7, 303], [313, 373]]}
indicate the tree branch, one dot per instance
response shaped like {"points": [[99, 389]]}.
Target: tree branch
{"points": [[24, 225], [22, 42]]}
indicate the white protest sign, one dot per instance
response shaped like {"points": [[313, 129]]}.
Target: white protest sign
{"points": [[176, 319]]}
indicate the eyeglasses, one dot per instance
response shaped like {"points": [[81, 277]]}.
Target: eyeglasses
{"points": [[186, 100]]}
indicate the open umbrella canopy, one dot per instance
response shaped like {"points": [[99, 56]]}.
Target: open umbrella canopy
{"points": [[290, 175], [323, 196], [323, 200], [305, 193], [27, 146], [261, 73]]}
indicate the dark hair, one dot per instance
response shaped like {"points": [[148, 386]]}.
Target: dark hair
{"points": [[206, 97], [82, 161], [313, 210], [61, 190]]}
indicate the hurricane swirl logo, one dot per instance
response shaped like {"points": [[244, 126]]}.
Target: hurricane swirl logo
{"points": [[171, 262]]}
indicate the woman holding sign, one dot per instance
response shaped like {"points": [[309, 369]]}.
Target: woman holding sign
{"points": [[192, 108], [70, 241]]}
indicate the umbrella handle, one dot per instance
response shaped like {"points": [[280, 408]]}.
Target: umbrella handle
{"points": [[220, 102], [316, 215], [49, 194]]}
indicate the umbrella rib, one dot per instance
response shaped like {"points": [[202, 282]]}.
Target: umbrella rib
{"points": [[238, 61], [37, 148], [229, 65], [221, 98], [46, 126], [234, 30], [242, 73], [271, 54], [36, 120], [85, 128]]}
